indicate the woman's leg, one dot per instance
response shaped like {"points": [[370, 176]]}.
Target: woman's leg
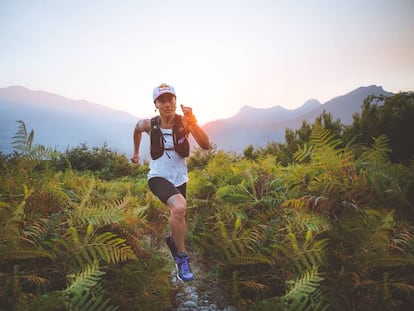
{"points": [[177, 206]]}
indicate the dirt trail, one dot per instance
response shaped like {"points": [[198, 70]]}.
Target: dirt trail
{"points": [[202, 294]]}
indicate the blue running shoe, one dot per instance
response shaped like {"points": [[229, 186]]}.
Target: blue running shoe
{"points": [[182, 263], [183, 268]]}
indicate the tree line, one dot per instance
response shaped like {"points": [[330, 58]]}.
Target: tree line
{"points": [[390, 116]]}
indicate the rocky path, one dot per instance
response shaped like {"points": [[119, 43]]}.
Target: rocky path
{"points": [[202, 294]]}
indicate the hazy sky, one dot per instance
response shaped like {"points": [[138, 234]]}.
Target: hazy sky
{"points": [[219, 55]]}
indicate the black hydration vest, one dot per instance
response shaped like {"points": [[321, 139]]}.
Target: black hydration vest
{"points": [[181, 144]]}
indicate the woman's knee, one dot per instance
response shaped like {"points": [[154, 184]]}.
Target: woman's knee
{"points": [[177, 205]]}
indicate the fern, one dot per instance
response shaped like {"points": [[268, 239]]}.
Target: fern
{"points": [[10, 226], [303, 153], [111, 248], [379, 152], [106, 214], [255, 286], [403, 240], [93, 300], [304, 294], [90, 247], [238, 246], [85, 292], [31, 155], [34, 233], [248, 260], [302, 254], [22, 141], [294, 203], [86, 279], [324, 151], [393, 261], [322, 140], [86, 196], [21, 254]]}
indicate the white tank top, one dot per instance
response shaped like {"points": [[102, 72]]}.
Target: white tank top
{"points": [[170, 165]]}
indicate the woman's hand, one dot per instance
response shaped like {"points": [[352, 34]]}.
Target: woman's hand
{"points": [[188, 115], [135, 158]]}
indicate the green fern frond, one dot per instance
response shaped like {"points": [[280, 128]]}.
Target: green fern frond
{"points": [[254, 285], [87, 195], [85, 293], [222, 230], [326, 153], [305, 218], [113, 247], [300, 291], [302, 250], [22, 142], [390, 261], [378, 152], [100, 215], [39, 153], [90, 301], [20, 254], [107, 247], [294, 203], [11, 226], [86, 279], [303, 153], [32, 155], [322, 137], [249, 260], [88, 247], [86, 211], [233, 194]]}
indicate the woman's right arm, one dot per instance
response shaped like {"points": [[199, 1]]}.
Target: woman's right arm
{"points": [[142, 126]]}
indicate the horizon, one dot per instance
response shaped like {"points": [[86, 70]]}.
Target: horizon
{"points": [[219, 56], [202, 123], [49, 114]]}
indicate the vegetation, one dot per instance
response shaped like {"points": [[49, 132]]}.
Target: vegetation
{"points": [[322, 222], [69, 240]]}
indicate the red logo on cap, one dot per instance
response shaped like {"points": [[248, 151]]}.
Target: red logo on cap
{"points": [[163, 87]]}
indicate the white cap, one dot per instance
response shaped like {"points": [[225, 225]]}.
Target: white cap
{"points": [[163, 89]]}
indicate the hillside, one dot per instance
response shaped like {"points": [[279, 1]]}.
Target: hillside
{"points": [[259, 126], [60, 122]]}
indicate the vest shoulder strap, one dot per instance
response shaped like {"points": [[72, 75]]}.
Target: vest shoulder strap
{"points": [[155, 122], [156, 139], [178, 124]]}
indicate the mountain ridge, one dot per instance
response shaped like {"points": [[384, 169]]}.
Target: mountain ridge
{"points": [[62, 123], [259, 132]]}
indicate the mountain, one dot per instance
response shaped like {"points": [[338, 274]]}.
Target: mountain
{"points": [[274, 114], [260, 126], [61, 123]]}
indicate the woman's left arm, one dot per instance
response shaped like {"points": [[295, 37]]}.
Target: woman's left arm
{"points": [[199, 135], [191, 126]]}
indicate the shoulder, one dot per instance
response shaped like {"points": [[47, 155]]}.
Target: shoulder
{"points": [[143, 125]]}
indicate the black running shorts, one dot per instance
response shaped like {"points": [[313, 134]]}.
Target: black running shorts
{"points": [[163, 189]]}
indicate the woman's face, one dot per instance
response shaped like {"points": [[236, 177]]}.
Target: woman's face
{"points": [[166, 104]]}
